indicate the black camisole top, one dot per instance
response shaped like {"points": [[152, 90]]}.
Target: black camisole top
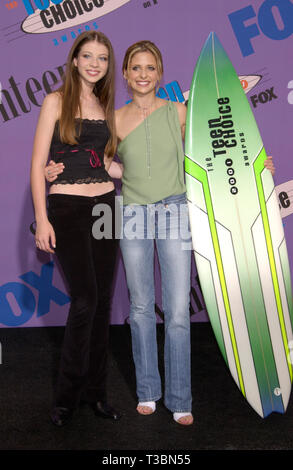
{"points": [[84, 162]]}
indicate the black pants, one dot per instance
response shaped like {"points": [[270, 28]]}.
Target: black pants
{"points": [[88, 265]]}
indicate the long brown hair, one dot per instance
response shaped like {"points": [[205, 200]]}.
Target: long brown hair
{"points": [[104, 89]]}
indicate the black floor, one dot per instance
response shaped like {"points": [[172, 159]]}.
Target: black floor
{"points": [[223, 419]]}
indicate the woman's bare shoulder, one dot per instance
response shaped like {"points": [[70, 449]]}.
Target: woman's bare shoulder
{"points": [[121, 111], [50, 110], [53, 99], [53, 103], [181, 109], [121, 114]]}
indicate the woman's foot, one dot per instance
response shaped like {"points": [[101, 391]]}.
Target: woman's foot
{"points": [[146, 407], [186, 419]]}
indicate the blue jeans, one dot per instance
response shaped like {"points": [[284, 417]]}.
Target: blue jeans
{"points": [[165, 225]]}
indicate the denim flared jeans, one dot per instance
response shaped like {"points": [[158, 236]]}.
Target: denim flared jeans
{"points": [[164, 226]]}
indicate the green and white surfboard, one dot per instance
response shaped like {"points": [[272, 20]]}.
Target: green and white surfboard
{"points": [[237, 234]]}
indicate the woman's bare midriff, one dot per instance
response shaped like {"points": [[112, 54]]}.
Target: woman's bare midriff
{"points": [[91, 189]]}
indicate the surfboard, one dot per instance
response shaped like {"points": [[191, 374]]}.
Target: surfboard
{"points": [[237, 234]]}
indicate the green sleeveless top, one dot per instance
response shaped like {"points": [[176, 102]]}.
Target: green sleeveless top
{"points": [[152, 156]]}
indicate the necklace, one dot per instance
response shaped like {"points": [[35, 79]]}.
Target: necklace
{"points": [[146, 111], [143, 108]]}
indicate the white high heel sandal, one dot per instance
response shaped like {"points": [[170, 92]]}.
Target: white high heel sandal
{"points": [[149, 404], [177, 416]]}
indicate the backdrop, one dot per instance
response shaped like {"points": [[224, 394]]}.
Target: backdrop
{"points": [[36, 36]]}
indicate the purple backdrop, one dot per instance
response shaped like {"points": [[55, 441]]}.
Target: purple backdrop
{"points": [[36, 36]]}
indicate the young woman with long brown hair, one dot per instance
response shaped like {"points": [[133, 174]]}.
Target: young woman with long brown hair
{"points": [[76, 126]]}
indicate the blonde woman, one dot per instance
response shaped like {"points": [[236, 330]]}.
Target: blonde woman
{"points": [[150, 132]]}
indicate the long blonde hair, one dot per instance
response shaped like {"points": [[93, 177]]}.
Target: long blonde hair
{"points": [[70, 90]]}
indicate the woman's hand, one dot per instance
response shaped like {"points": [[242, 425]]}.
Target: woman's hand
{"points": [[116, 170], [52, 170], [45, 236], [269, 164]]}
